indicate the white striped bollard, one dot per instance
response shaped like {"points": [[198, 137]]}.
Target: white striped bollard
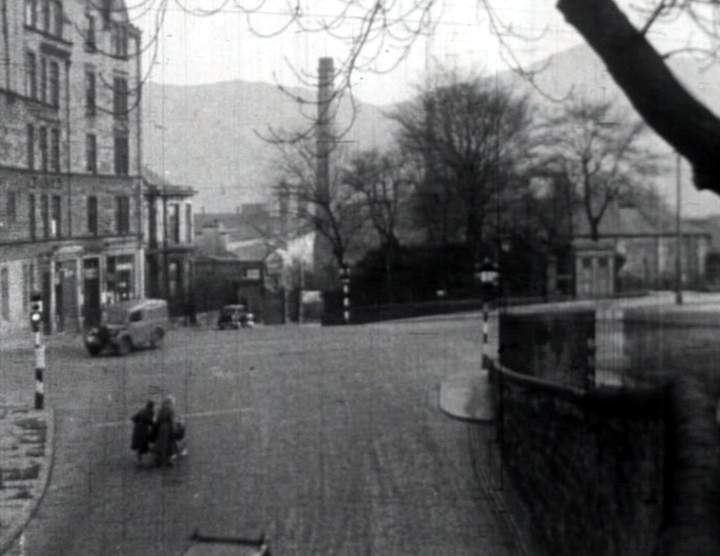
{"points": [[36, 308], [485, 329], [346, 303], [39, 372], [345, 281]]}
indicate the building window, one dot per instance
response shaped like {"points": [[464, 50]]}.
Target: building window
{"points": [[43, 149], [188, 223], [31, 216], [31, 147], [119, 38], [43, 79], [30, 74], [27, 285], [92, 215], [46, 4], [58, 20], [31, 13], [120, 97], [5, 293], [90, 93], [54, 84], [122, 215], [91, 153], [56, 222], [173, 230], [45, 215], [55, 150], [122, 155], [11, 207], [90, 43]]}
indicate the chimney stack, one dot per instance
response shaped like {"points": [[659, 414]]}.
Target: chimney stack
{"points": [[324, 134]]}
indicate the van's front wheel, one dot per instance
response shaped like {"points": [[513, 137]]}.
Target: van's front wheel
{"points": [[156, 339], [124, 346]]}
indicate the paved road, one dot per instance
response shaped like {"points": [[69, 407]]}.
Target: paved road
{"points": [[327, 439]]}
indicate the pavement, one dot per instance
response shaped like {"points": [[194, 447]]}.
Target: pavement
{"points": [[467, 395], [26, 460]]}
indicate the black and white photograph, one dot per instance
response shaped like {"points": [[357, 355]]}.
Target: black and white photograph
{"points": [[360, 277]]}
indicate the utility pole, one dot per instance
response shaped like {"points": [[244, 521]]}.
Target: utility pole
{"points": [[678, 233]]}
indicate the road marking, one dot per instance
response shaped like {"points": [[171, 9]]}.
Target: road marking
{"points": [[197, 414]]}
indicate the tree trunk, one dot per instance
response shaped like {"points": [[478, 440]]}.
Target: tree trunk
{"points": [[639, 70]]}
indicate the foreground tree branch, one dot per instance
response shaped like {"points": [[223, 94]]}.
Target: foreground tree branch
{"points": [[640, 71]]}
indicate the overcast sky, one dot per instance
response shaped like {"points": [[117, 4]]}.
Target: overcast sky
{"points": [[221, 47]]}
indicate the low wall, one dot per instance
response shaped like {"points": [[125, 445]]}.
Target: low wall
{"points": [[587, 465]]}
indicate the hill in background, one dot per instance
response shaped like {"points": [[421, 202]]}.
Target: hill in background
{"points": [[206, 136]]}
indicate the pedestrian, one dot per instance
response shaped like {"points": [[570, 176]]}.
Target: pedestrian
{"points": [[143, 427], [165, 443]]}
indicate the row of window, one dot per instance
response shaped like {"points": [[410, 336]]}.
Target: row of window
{"points": [[51, 214], [42, 82], [45, 15], [42, 79], [120, 95], [174, 230], [118, 36], [47, 142]]}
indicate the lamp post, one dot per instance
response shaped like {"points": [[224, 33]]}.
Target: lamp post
{"points": [[345, 281], [487, 273]]}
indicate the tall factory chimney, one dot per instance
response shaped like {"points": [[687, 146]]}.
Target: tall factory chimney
{"points": [[323, 262]]}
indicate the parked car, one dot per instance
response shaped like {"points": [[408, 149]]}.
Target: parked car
{"points": [[235, 316], [129, 325]]}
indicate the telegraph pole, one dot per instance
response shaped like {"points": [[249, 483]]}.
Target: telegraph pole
{"points": [[36, 309], [678, 233]]}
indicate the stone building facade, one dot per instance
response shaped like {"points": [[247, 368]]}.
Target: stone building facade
{"points": [[70, 158], [169, 242]]}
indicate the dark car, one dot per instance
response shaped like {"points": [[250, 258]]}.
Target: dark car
{"points": [[235, 316]]}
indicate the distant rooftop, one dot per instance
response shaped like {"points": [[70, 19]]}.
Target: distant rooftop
{"points": [[629, 220]]}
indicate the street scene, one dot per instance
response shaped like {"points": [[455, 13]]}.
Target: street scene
{"points": [[329, 442], [360, 277]]}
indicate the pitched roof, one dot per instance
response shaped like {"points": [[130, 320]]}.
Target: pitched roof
{"points": [[629, 220]]}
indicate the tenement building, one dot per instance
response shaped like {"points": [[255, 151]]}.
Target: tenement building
{"points": [[70, 158]]}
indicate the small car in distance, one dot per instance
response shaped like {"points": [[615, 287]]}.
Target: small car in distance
{"points": [[129, 325], [235, 316]]}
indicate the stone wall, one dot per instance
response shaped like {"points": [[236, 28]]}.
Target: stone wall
{"points": [[587, 466]]}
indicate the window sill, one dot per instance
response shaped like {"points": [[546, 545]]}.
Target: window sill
{"points": [[48, 35]]}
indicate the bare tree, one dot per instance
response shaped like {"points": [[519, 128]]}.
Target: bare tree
{"points": [[379, 34], [336, 213], [597, 151], [470, 136], [642, 73], [385, 181]]}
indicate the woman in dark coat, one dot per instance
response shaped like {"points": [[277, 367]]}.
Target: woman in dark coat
{"points": [[143, 424], [165, 427]]}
